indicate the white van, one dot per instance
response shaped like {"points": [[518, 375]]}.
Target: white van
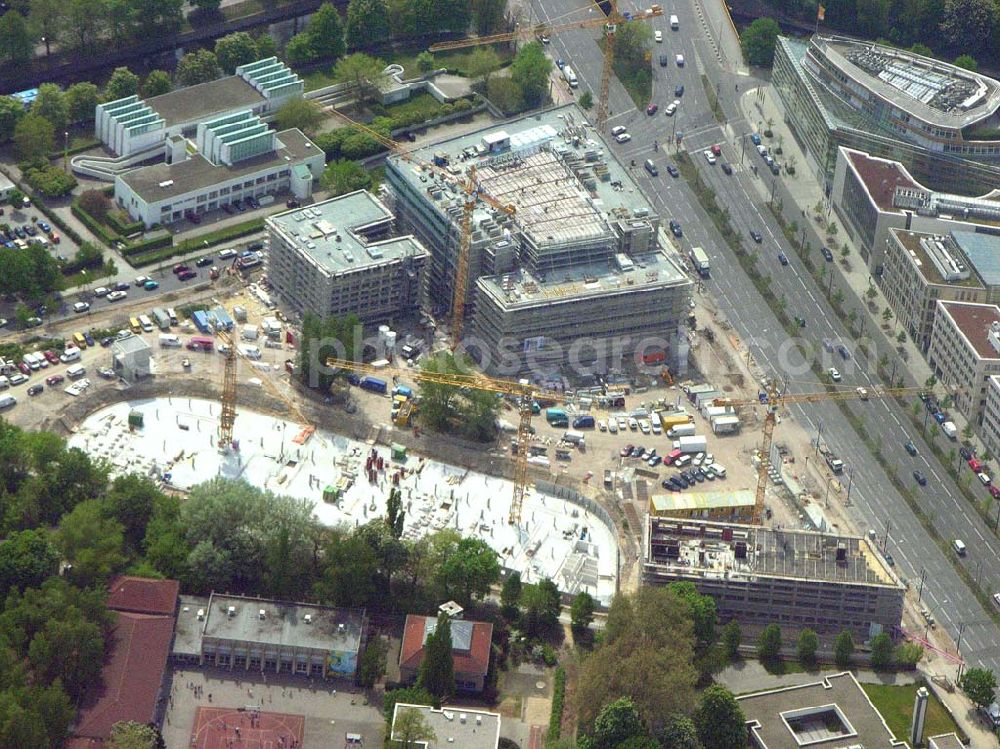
{"points": [[570, 76], [70, 354], [146, 323], [7, 401], [654, 421], [169, 340], [31, 360], [959, 546], [172, 315], [4, 382], [76, 371], [250, 352], [718, 469], [674, 23]]}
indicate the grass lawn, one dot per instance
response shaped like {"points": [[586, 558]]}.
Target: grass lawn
{"points": [[895, 702]]}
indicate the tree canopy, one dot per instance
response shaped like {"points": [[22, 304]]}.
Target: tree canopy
{"points": [[530, 72], [758, 40], [979, 685], [720, 720], [437, 669]]}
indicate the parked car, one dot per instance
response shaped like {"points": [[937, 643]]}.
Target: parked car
{"points": [[79, 307], [116, 296], [834, 374], [727, 168], [36, 389], [204, 261], [672, 171], [709, 156], [679, 90], [187, 275], [652, 108], [51, 355], [675, 228], [101, 291], [151, 285], [782, 258], [54, 379], [911, 448], [827, 255]]}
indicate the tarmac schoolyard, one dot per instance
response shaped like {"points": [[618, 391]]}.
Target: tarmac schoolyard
{"points": [[315, 714]]}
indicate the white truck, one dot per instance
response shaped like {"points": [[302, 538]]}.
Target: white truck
{"points": [[681, 430], [699, 259], [694, 444], [573, 437], [570, 76], [950, 430]]}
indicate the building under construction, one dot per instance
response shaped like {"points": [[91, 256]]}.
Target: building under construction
{"points": [[761, 576], [577, 275]]}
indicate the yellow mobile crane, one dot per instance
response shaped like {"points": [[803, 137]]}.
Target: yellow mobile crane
{"points": [[610, 23], [523, 392], [772, 398]]}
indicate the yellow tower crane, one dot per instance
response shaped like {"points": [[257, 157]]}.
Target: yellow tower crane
{"points": [[772, 399], [472, 192], [522, 391], [610, 22]]}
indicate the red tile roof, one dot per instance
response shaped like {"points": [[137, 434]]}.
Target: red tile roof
{"points": [[137, 657], [143, 595], [881, 177], [974, 320], [475, 661]]}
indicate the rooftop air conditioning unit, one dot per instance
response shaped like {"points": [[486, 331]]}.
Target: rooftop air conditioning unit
{"points": [[308, 618], [262, 615], [231, 611], [201, 615]]}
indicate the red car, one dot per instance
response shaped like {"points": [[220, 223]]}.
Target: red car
{"points": [[25, 369], [717, 150], [186, 275], [995, 491], [54, 380], [51, 356], [652, 109], [180, 268], [625, 451], [975, 465]]}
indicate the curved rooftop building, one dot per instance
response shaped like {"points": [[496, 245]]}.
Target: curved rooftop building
{"points": [[939, 120]]}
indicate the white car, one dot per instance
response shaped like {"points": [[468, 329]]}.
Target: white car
{"points": [[680, 61], [141, 280], [834, 374], [633, 424], [623, 137], [102, 291], [618, 129], [709, 156], [658, 36], [79, 307], [226, 254], [18, 378], [862, 393], [644, 426], [602, 425], [612, 426], [622, 423], [115, 296], [671, 108]]}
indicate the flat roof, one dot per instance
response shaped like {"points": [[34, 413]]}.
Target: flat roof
{"points": [[202, 101], [690, 501], [332, 234], [881, 177], [945, 741], [934, 91], [702, 548], [188, 628], [983, 252], [283, 623], [832, 713], [912, 242], [198, 172], [974, 321], [459, 727]]}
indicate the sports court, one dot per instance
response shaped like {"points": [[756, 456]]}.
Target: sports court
{"points": [[245, 728]]}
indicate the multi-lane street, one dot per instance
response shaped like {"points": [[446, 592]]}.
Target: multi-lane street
{"points": [[875, 502]]}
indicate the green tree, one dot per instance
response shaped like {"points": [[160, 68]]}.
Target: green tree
{"points": [[586, 100], [131, 500], [437, 669], [808, 645], [510, 595], [758, 40], [908, 654], [207, 6], [732, 637], [471, 413], [132, 735], [91, 542], [10, 112], [489, 16], [234, 50], [979, 685], [52, 105], [367, 23], [15, 38], [363, 72], [348, 577], [720, 720], [881, 651], [646, 653], [505, 95], [769, 643], [425, 62], [540, 604], [34, 137], [157, 83], [969, 24], [679, 732], [303, 114], [617, 722], [81, 98], [85, 22], [47, 18], [197, 67], [326, 32], [407, 696], [371, 667], [70, 650], [123, 82], [27, 559], [483, 63], [155, 16], [581, 612], [702, 611], [411, 728], [342, 176], [968, 62], [530, 71], [468, 570], [871, 16], [395, 515], [299, 50], [843, 649]]}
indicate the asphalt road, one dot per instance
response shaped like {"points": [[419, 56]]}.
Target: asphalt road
{"points": [[874, 500]]}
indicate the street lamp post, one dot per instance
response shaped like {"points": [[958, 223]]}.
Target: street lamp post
{"points": [[66, 151], [850, 485], [920, 590]]}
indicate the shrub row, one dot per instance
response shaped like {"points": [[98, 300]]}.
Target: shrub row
{"points": [[65, 228], [558, 700], [103, 233], [162, 248], [126, 230]]}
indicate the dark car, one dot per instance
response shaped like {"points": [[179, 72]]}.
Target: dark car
{"points": [[911, 448], [679, 90], [756, 236], [89, 338], [827, 255], [664, 60], [292, 203], [204, 261], [227, 208], [122, 286], [844, 353], [105, 342], [782, 259], [727, 167], [180, 268], [775, 169], [650, 167], [672, 171], [965, 452], [675, 228], [920, 478], [652, 108], [35, 389], [186, 275]]}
